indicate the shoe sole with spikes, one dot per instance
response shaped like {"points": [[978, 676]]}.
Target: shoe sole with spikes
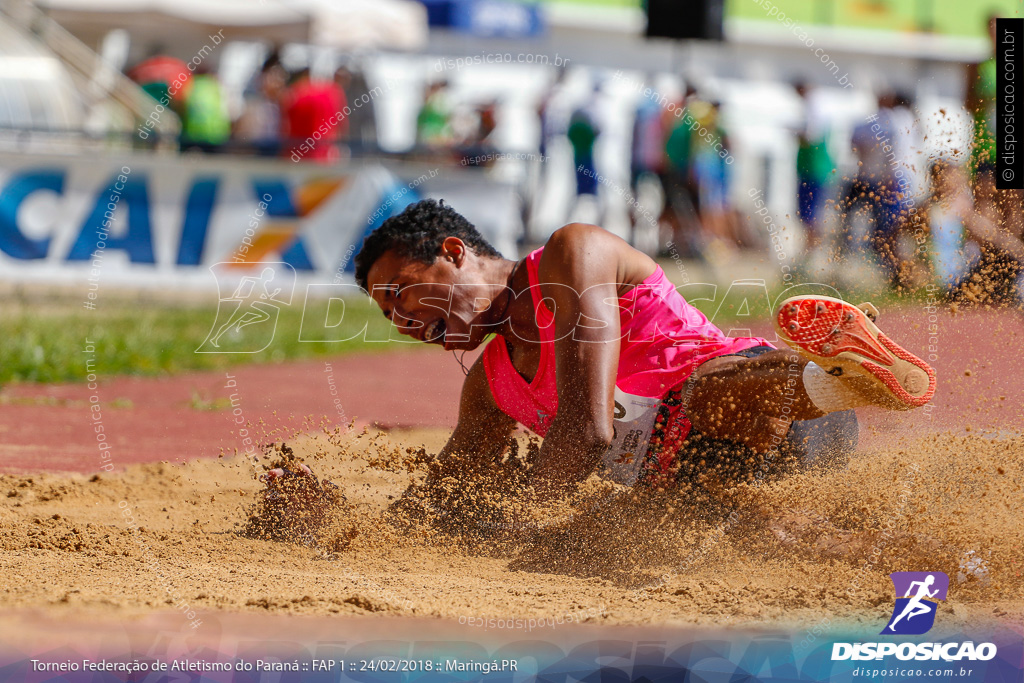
{"points": [[844, 340]]}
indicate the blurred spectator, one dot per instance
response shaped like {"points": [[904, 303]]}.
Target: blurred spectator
{"points": [[259, 126], [159, 74], [911, 163], [548, 114], [952, 254], [876, 186], [647, 157], [165, 79], [910, 169], [205, 124], [551, 124], [583, 133], [362, 121], [479, 149], [711, 173], [433, 123], [488, 121], [988, 272], [313, 116], [814, 168], [678, 181]]}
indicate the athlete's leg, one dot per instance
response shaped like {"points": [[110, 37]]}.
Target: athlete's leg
{"points": [[841, 360], [749, 400]]}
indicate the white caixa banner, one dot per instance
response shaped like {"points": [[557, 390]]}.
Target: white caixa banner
{"points": [[141, 220]]}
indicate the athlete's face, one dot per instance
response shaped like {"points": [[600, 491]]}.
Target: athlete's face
{"points": [[437, 303]]}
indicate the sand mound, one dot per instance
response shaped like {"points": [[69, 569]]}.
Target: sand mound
{"points": [[813, 545]]}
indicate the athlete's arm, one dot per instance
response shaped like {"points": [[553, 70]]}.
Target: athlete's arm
{"points": [[483, 431], [480, 437], [583, 271]]}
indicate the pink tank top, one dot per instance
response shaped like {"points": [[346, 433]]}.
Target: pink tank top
{"points": [[663, 339]]}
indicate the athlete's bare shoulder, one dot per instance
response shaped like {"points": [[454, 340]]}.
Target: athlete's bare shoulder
{"points": [[589, 252]]}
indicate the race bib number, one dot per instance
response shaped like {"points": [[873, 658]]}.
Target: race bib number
{"points": [[632, 423]]}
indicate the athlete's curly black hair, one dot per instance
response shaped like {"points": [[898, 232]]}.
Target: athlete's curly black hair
{"points": [[417, 233]]}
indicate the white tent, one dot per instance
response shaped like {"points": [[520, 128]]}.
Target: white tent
{"points": [[363, 24], [36, 91], [343, 24]]}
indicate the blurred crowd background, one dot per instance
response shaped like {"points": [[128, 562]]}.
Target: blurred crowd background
{"points": [[851, 139]]}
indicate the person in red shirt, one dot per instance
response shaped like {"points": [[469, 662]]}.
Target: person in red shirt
{"points": [[313, 118]]}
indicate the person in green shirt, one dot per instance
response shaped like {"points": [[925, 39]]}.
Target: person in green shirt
{"points": [[680, 212], [433, 125], [814, 168], [583, 132], [205, 124]]}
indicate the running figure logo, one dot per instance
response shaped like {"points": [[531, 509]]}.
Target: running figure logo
{"points": [[253, 306], [916, 602]]}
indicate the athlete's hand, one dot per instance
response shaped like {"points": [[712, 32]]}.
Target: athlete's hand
{"points": [[281, 472], [298, 490]]}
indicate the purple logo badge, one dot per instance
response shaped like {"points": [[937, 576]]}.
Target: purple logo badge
{"points": [[917, 596]]}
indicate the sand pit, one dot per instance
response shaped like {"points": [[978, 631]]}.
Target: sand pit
{"points": [[70, 548]]}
